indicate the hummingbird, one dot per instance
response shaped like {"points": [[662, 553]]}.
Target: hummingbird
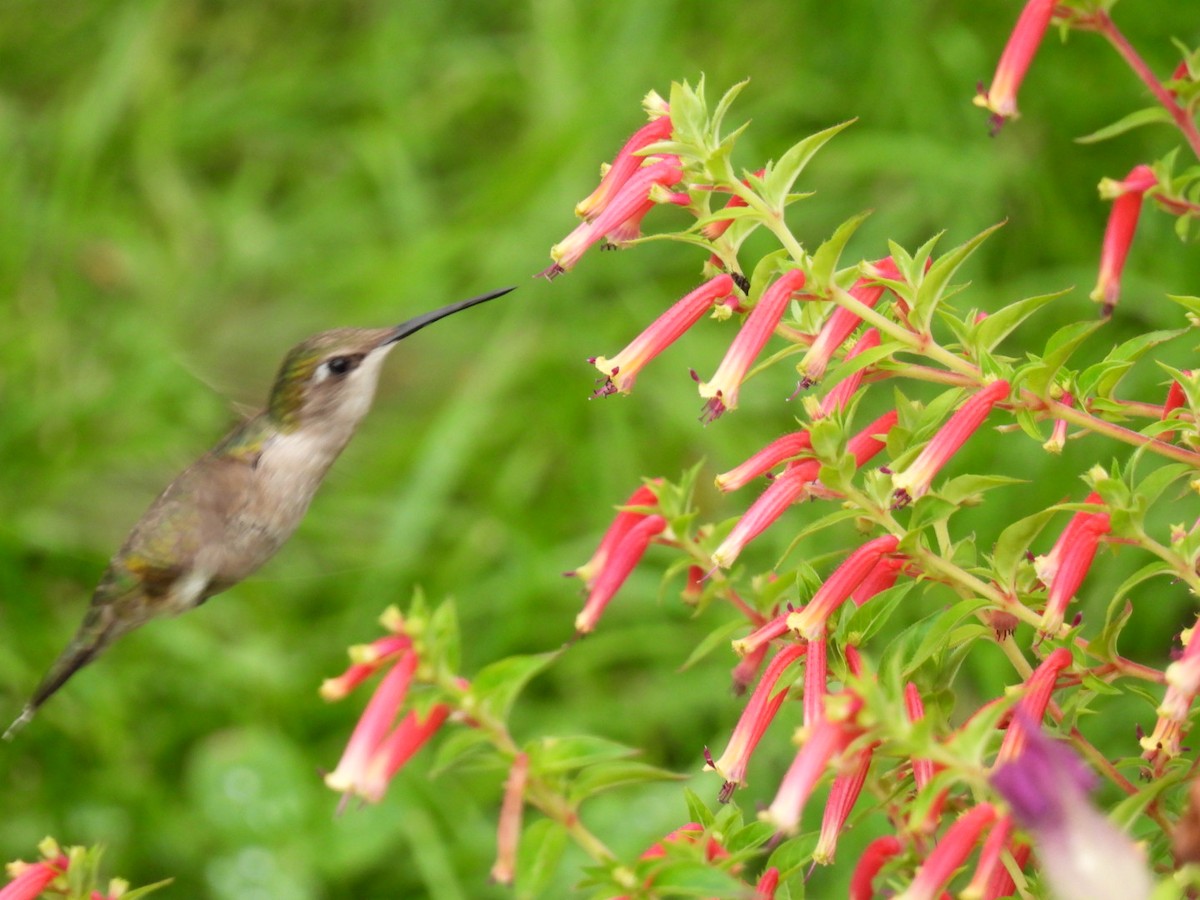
{"points": [[231, 510]]}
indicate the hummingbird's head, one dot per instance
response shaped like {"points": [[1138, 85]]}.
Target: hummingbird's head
{"points": [[329, 380]]}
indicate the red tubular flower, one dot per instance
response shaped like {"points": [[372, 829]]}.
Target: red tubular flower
{"points": [[950, 853], [791, 486], [1058, 435], [879, 579], [617, 567], [1001, 97], [625, 520], [843, 795], [1001, 883], [1175, 399], [754, 721], [837, 398], [398, 748], [828, 738], [1032, 707], [874, 857], [630, 202], [508, 832], [778, 451], [747, 668], [768, 883], [762, 636], [31, 879], [914, 481], [990, 863], [842, 322], [809, 622], [1183, 683], [623, 167], [1118, 234], [816, 681], [722, 390], [621, 370], [1071, 558]]}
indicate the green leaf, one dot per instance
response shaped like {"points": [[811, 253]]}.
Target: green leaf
{"points": [[862, 623], [1102, 378], [496, 687], [825, 259], [1041, 372], [562, 754], [441, 635], [724, 104], [146, 889], [538, 855], [698, 810], [460, 746], [695, 878], [780, 176], [965, 489], [937, 637], [1000, 324], [1126, 813], [1151, 115], [935, 282], [616, 773], [1014, 542]]}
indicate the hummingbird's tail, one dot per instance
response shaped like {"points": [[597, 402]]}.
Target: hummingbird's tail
{"points": [[99, 629]]}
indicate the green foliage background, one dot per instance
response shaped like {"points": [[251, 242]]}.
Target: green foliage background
{"points": [[189, 188]]}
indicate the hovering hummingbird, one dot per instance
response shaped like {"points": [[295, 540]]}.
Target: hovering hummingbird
{"points": [[232, 509]]}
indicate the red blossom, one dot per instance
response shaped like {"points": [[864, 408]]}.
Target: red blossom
{"points": [[622, 560], [914, 481], [508, 831], [1118, 234], [1068, 563], [1032, 708], [1026, 37], [951, 852], [873, 858], [837, 398], [809, 622], [31, 879], [624, 520], [623, 166], [778, 451]]}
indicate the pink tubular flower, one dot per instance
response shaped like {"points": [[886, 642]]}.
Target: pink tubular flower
{"points": [[508, 832], [31, 879], [397, 748], [366, 661], [1081, 854], [1071, 558], [778, 451], [843, 795], [816, 682], [879, 579], [950, 853], [791, 486], [1032, 708], [622, 370], [873, 858], [826, 740], [715, 229], [914, 481], [630, 202], [1001, 883], [837, 398], [1118, 234], [623, 167], [625, 555], [754, 721], [722, 390], [762, 636], [842, 322], [747, 668], [809, 622], [923, 768], [768, 883], [1001, 97], [625, 520], [1058, 435], [1183, 683]]}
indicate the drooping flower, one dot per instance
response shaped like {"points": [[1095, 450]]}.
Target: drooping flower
{"points": [[622, 370], [768, 883], [29, 880], [747, 668], [366, 660], [809, 622], [631, 201], [842, 322], [1068, 562], [951, 852], [824, 742], [1081, 854], [914, 481], [847, 785], [923, 768], [1127, 198], [778, 451], [508, 832], [990, 864], [1032, 707], [625, 519], [1058, 434], [627, 162], [879, 579], [759, 711], [721, 390], [1026, 37], [872, 859], [1174, 400], [621, 561], [397, 748]]}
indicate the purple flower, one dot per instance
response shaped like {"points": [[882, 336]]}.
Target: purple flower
{"points": [[1082, 854]]}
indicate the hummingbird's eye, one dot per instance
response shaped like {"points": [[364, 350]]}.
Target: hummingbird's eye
{"points": [[340, 365]]}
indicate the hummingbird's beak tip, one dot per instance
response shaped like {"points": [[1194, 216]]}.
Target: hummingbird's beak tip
{"points": [[404, 329]]}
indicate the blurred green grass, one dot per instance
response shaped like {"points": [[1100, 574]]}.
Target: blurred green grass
{"points": [[189, 188]]}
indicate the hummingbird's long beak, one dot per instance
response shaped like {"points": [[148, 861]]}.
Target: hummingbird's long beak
{"points": [[404, 329]]}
